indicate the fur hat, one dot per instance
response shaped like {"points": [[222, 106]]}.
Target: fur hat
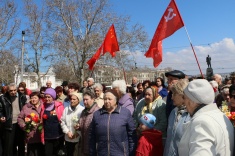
{"points": [[148, 120], [50, 92], [78, 95], [200, 91]]}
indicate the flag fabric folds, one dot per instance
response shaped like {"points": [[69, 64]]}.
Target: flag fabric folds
{"points": [[95, 57], [110, 45], [110, 42], [170, 22]]}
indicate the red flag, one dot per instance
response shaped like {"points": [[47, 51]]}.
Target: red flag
{"points": [[170, 22], [110, 42], [94, 58]]}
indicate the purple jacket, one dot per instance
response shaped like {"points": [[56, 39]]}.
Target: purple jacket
{"points": [[127, 102], [33, 136]]}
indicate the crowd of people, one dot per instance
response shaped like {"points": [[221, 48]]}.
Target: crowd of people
{"points": [[183, 117]]}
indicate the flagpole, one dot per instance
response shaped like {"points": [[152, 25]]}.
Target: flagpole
{"points": [[193, 51], [124, 73]]}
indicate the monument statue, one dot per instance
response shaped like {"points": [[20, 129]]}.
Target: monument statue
{"points": [[208, 61]]}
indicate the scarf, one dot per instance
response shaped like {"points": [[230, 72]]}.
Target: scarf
{"points": [[49, 107]]}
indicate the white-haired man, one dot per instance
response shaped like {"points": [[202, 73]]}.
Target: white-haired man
{"points": [[218, 79], [90, 85], [134, 83]]}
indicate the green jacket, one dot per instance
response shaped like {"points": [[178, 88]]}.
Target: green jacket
{"points": [[159, 111]]}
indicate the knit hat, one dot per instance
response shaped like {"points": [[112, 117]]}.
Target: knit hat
{"points": [[148, 120], [50, 92], [200, 91], [78, 95], [114, 92]]}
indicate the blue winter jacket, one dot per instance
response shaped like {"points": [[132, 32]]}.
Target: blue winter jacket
{"points": [[112, 134], [175, 132]]}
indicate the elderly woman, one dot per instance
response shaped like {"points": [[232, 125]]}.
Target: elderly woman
{"points": [[178, 116], [125, 99], [112, 129], [52, 113], [209, 132], [153, 104], [99, 95], [69, 121], [85, 120], [33, 134], [223, 96]]}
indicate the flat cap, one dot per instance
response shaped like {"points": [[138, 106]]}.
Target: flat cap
{"points": [[175, 73]]}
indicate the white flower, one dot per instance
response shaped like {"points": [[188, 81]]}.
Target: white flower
{"points": [[75, 119]]}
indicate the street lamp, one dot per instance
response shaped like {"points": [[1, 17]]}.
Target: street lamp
{"points": [[22, 58]]}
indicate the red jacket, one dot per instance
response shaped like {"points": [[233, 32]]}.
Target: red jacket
{"points": [[150, 143]]}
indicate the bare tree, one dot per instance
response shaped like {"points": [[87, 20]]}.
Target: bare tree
{"points": [[78, 28], [9, 22], [7, 67], [36, 34]]}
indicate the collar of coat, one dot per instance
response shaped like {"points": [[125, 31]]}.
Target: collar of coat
{"points": [[117, 110]]}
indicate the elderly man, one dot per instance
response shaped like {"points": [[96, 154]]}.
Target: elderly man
{"points": [[99, 95], [11, 104], [218, 79], [48, 84], [90, 86], [209, 132], [172, 78], [134, 83]]}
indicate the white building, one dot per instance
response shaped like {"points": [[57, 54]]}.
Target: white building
{"points": [[30, 79]]}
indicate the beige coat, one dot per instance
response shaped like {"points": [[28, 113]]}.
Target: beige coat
{"points": [[208, 133], [100, 100]]}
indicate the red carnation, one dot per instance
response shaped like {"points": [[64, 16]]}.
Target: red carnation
{"points": [[45, 116], [35, 119]]}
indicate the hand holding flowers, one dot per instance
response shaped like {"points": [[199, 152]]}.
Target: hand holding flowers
{"points": [[32, 122]]}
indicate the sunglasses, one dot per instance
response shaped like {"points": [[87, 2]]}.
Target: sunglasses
{"points": [[21, 90]]}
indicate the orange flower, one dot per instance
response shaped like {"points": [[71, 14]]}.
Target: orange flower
{"points": [[27, 119]]}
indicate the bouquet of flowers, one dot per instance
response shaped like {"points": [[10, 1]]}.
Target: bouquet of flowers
{"points": [[32, 121], [75, 120], [230, 115]]}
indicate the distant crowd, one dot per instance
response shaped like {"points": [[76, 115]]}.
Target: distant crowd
{"points": [[183, 117]]}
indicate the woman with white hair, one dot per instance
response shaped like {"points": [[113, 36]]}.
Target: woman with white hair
{"points": [[99, 95], [209, 132], [125, 100]]}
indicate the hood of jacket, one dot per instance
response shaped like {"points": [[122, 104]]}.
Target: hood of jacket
{"points": [[152, 135]]}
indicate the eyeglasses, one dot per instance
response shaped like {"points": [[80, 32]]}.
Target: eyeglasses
{"points": [[12, 90], [21, 90]]}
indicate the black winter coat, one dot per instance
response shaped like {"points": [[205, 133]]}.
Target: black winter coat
{"points": [[6, 108]]}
